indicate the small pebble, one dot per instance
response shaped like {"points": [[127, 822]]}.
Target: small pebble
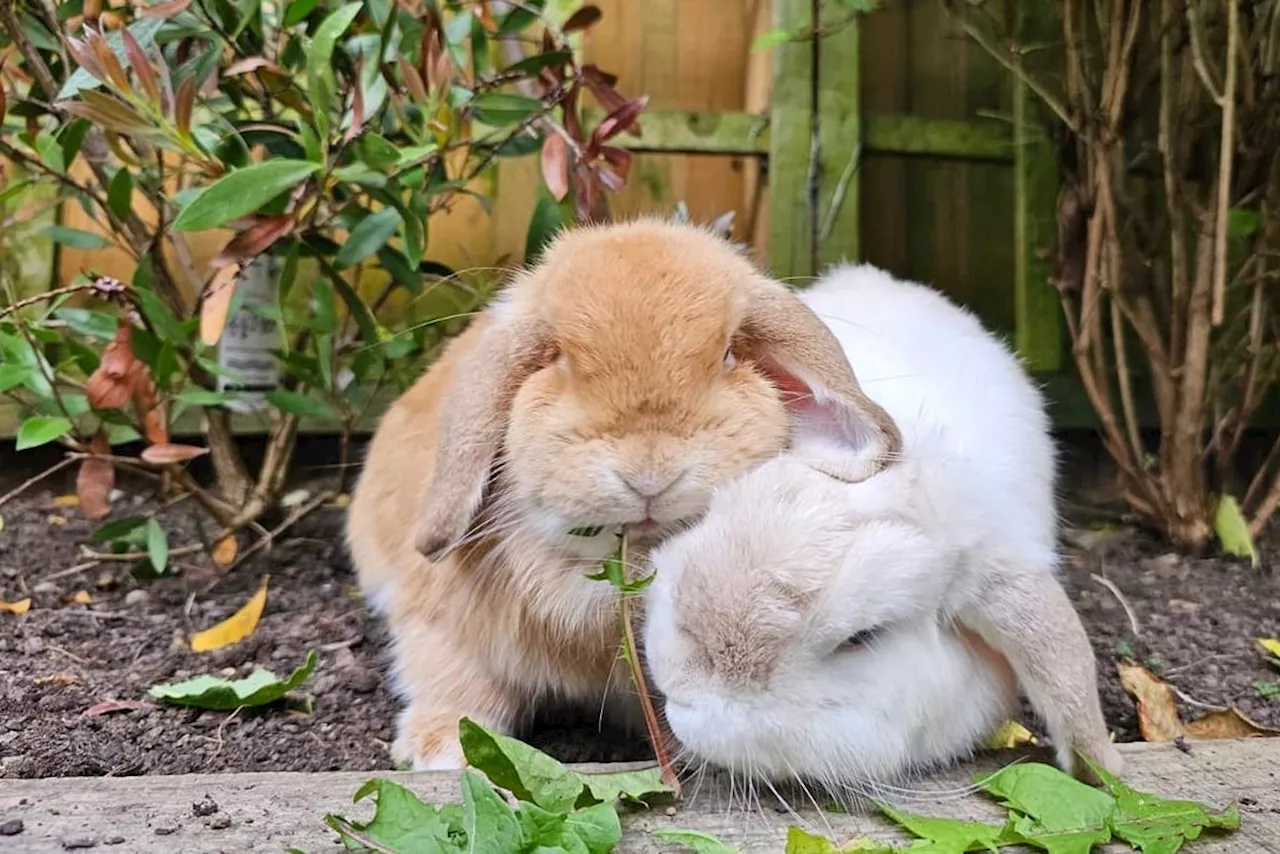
{"points": [[113, 840], [79, 842], [137, 597], [221, 821], [166, 829], [45, 587], [671, 812], [12, 827], [205, 806]]}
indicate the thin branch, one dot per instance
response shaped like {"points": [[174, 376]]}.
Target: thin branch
{"points": [[1226, 153], [32, 481]]}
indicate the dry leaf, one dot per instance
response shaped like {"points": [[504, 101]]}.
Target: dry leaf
{"points": [[235, 628], [110, 386], [1010, 734], [63, 679], [108, 706], [340, 500], [57, 521], [224, 553], [555, 166], [165, 453], [217, 303], [66, 501], [22, 606], [80, 597], [1158, 718], [95, 479]]}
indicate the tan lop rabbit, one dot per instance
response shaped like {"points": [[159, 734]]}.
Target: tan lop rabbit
{"points": [[636, 368]]}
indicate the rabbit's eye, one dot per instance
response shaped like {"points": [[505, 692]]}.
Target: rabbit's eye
{"points": [[858, 640], [730, 360]]}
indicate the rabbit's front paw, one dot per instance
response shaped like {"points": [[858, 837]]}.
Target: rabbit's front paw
{"points": [[428, 745]]}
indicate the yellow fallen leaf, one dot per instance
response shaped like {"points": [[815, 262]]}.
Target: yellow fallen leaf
{"points": [[1158, 718], [22, 606], [59, 521], [80, 597], [1, 523], [1271, 646], [67, 500], [235, 628], [340, 500], [1008, 735], [63, 679], [225, 551]]}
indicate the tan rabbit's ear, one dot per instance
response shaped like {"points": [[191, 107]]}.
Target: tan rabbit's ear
{"points": [[845, 434], [474, 411]]}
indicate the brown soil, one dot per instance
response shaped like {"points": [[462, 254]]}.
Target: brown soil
{"points": [[1198, 619]]}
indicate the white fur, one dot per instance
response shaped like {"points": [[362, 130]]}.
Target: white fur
{"points": [[910, 547]]}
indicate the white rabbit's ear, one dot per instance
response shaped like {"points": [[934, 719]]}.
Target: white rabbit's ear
{"points": [[838, 429], [474, 411]]}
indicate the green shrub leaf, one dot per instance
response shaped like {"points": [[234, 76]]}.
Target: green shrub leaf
{"points": [[242, 192], [41, 430]]}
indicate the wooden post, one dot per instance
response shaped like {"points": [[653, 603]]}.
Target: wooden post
{"points": [[791, 146], [1038, 334], [839, 123]]}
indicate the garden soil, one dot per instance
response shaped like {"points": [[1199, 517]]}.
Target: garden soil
{"points": [[1197, 619]]}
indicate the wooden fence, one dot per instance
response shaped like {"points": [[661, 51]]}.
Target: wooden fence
{"points": [[895, 140]]}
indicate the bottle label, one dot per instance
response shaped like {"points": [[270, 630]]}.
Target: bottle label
{"points": [[244, 352]]}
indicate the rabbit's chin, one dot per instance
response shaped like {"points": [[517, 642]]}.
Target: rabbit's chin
{"points": [[923, 703]]}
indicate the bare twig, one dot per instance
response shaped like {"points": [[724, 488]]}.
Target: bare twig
{"points": [[1226, 154], [1124, 603], [30, 482]]}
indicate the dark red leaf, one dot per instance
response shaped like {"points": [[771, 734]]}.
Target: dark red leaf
{"points": [[85, 58], [253, 63], [96, 478], [555, 163], [111, 385], [609, 178], [357, 106], [587, 16], [109, 706], [185, 104], [413, 81], [141, 66], [163, 454], [263, 232], [619, 120], [619, 159], [107, 60], [170, 9]]}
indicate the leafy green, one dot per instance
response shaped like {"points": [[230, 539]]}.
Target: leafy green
{"points": [[1056, 812], [12, 376], [157, 546], [300, 404], [76, 238], [1157, 826], [695, 841], [242, 192], [258, 688], [401, 822], [499, 108], [1233, 531], [41, 430], [368, 236], [949, 836], [613, 572], [803, 842], [320, 82]]}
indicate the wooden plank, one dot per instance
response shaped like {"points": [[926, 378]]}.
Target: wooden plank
{"points": [[1038, 327], [276, 811], [791, 146], [839, 120]]}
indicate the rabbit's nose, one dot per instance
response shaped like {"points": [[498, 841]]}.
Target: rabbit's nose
{"points": [[651, 484]]}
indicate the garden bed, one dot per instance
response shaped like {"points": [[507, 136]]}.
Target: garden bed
{"points": [[1198, 617]]}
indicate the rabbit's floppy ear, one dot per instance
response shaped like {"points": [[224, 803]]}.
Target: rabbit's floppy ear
{"points": [[846, 434], [474, 411]]}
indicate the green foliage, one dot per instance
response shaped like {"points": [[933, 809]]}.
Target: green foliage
{"points": [[257, 689]]}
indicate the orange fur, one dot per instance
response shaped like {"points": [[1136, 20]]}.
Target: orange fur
{"points": [[595, 391]]}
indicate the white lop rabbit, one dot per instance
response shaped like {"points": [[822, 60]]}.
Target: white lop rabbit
{"points": [[850, 632]]}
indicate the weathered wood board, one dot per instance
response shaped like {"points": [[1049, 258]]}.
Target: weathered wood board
{"points": [[274, 812]]}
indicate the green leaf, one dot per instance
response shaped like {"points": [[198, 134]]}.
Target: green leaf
{"points": [[142, 29], [1243, 222], [526, 772], [242, 192], [499, 108], [401, 822], [520, 17], [950, 834], [157, 546], [594, 830], [76, 238], [489, 822], [376, 152], [12, 376], [1057, 812], [635, 786], [258, 688], [301, 405], [320, 82], [355, 305], [543, 225], [1158, 826], [802, 842], [120, 193], [368, 236], [50, 152], [611, 570], [298, 10], [41, 430], [93, 324], [695, 841], [1233, 531], [117, 528], [204, 397], [771, 38]]}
